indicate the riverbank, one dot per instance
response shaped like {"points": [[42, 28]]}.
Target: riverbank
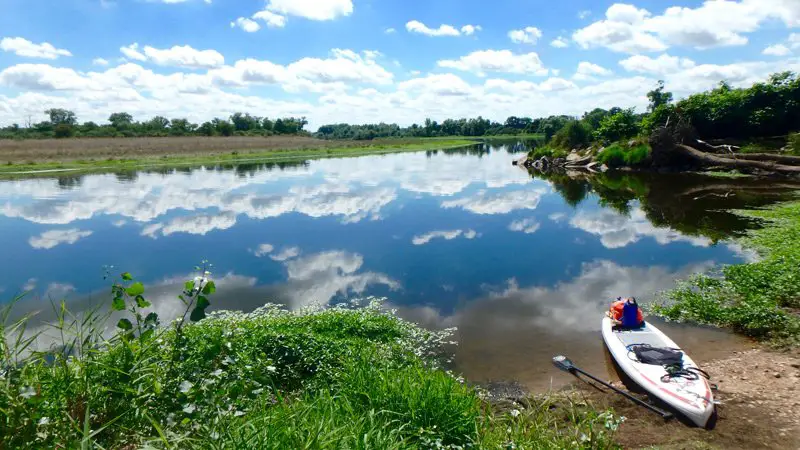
{"points": [[19, 157]]}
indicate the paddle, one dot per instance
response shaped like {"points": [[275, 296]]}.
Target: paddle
{"points": [[563, 363]]}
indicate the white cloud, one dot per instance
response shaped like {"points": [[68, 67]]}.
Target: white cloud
{"points": [[247, 25], [132, 52], [469, 30], [312, 9], [588, 71], [177, 56], [527, 226], [664, 64], [559, 42], [794, 40], [53, 238], [528, 35], [503, 61], [584, 14], [390, 31], [271, 19], [438, 84], [618, 231], [557, 217], [448, 235], [777, 50], [23, 47], [715, 23], [286, 253], [100, 62], [485, 203], [197, 225], [416, 26], [263, 250]]}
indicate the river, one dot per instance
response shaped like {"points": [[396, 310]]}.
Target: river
{"points": [[522, 266]]}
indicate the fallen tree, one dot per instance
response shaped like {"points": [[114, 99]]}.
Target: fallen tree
{"points": [[737, 162]]}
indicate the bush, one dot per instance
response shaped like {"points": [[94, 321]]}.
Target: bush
{"points": [[794, 143], [619, 156], [64, 130], [616, 127], [575, 134]]}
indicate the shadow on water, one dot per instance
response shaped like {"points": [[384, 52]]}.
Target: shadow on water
{"points": [[693, 204]]}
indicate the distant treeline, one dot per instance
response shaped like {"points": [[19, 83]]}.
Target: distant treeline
{"points": [[770, 108], [64, 124]]}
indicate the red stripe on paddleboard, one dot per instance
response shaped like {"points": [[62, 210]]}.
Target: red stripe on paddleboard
{"points": [[689, 402]]}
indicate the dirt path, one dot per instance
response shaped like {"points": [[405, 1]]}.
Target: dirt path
{"points": [[760, 394]]}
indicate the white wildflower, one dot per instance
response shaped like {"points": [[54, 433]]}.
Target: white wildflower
{"points": [[186, 386], [515, 413]]}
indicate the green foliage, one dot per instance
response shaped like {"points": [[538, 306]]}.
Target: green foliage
{"points": [[335, 378], [616, 127], [63, 130], [765, 109], [659, 97], [575, 134], [619, 155], [794, 143], [548, 151], [755, 298]]}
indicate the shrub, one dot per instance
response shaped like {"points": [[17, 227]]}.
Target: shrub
{"points": [[64, 130], [616, 127], [619, 156], [575, 134], [794, 143]]}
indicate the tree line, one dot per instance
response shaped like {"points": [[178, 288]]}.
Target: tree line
{"points": [[63, 123], [765, 109]]}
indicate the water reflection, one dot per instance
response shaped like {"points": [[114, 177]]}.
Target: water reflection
{"points": [[522, 265]]}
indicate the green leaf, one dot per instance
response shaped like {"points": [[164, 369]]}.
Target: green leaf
{"points": [[189, 286], [198, 314], [135, 289], [141, 302], [127, 276], [209, 288], [202, 302], [124, 324], [118, 304], [151, 320]]}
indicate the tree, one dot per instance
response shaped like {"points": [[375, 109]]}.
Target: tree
{"points": [[120, 120], [207, 129], [618, 126], [223, 127], [59, 116], [658, 97], [158, 123], [575, 134], [64, 130]]}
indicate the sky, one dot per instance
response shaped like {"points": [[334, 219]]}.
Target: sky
{"points": [[369, 61]]}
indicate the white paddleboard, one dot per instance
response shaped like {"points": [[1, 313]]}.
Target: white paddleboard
{"points": [[691, 398]]}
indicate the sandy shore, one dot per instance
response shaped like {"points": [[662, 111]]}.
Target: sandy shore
{"points": [[759, 391]]}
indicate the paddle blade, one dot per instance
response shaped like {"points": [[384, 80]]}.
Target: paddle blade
{"points": [[563, 363]]}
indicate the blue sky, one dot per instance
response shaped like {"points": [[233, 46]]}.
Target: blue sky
{"points": [[370, 60]]}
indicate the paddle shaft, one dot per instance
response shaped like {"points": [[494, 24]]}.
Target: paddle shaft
{"points": [[666, 415]]}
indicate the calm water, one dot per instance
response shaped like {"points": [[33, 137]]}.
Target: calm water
{"points": [[522, 266]]}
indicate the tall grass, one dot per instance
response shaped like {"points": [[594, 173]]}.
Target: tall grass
{"points": [[341, 377], [618, 155]]}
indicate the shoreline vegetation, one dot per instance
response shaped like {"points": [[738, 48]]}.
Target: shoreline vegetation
{"points": [[24, 157], [754, 130]]}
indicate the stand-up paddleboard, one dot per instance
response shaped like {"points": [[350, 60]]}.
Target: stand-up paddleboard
{"points": [[686, 392]]}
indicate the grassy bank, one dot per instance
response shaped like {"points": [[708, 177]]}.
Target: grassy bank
{"points": [[159, 156], [759, 299], [336, 378]]}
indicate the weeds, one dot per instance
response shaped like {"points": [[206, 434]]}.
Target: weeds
{"points": [[757, 299], [617, 155], [350, 376]]}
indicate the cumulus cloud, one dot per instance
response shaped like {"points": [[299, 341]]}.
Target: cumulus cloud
{"points": [[527, 226], [23, 47], [527, 35], [715, 23], [247, 25], [777, 50], [559, 42], [100, 62], [502, 61], [416, 26], [486, 202], [199, 225], [312, 9], [448, 235], [618, 231], [589, 71], [53, 238], [286, 253], [664, 64], [177, 56], [263, 250]]}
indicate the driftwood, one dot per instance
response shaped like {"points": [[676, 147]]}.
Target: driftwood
{"points": [[706, 147], [736, 163], [786, 159]]}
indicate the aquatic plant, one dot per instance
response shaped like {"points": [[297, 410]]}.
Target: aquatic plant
{"points": [[756, 299]]}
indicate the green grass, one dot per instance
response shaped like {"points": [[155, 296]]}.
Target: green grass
{"points": [[759, 299], [550, 152], [341, 377], [618, 155], [233, 157]]}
